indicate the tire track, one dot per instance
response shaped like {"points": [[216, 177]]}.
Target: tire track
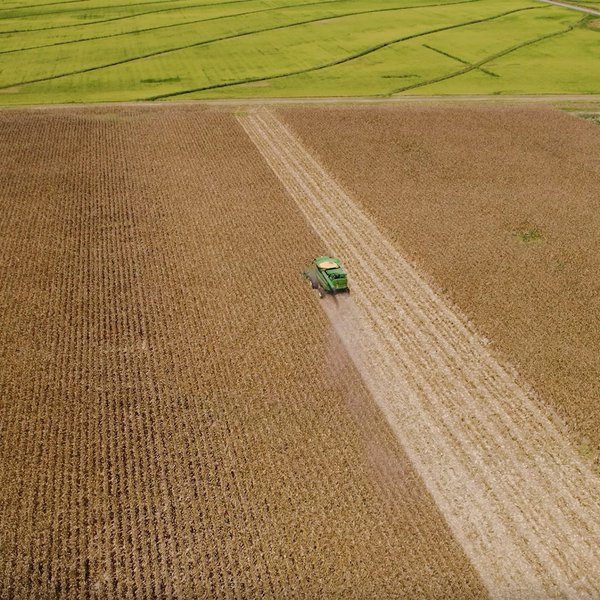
{"points": [[518, 498]]}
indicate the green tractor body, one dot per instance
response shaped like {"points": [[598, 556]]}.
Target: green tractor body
{"points": [[327, 275]]}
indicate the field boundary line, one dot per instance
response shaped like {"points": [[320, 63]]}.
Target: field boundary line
{"points": [[239, 103], [477, 65], [346, 59], [221, 39], [519, 499]]}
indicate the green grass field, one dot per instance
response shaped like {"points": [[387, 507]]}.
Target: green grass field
{"points": [[111, 50]]}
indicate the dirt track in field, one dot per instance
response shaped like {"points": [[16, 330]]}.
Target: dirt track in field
{"points": [[176, 422], [517, 496], [584, 9], [452, 188]]}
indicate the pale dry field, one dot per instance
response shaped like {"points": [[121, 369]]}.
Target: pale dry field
{"points": [[178, 418], [456, 190]]}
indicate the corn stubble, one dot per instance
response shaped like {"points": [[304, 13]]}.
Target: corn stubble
{"points": [[176, 418]]}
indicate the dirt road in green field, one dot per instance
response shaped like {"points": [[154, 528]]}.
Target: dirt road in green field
{"points": [[515, 493], [591, 11], [558, 100]]}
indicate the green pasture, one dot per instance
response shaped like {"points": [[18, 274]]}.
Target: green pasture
{"points": [[113, 50]]}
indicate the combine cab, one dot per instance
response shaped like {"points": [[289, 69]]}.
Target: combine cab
{"points": [[327, 275]]}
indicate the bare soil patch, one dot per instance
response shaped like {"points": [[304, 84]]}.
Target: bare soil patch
{"points": [[450, 187], [178, 419]]}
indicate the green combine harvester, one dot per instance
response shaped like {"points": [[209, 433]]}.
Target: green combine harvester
{"points": [[327, 275]]}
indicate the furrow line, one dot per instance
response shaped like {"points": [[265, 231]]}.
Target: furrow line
{"points": [[487, 59]]}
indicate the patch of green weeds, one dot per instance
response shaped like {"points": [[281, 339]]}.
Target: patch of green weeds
{"points": [[165, 80], [527, 234], [593, 117]]}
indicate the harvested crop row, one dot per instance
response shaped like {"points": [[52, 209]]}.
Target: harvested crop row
{"points": [[500, 207], [522, 503], [177, 419]]}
